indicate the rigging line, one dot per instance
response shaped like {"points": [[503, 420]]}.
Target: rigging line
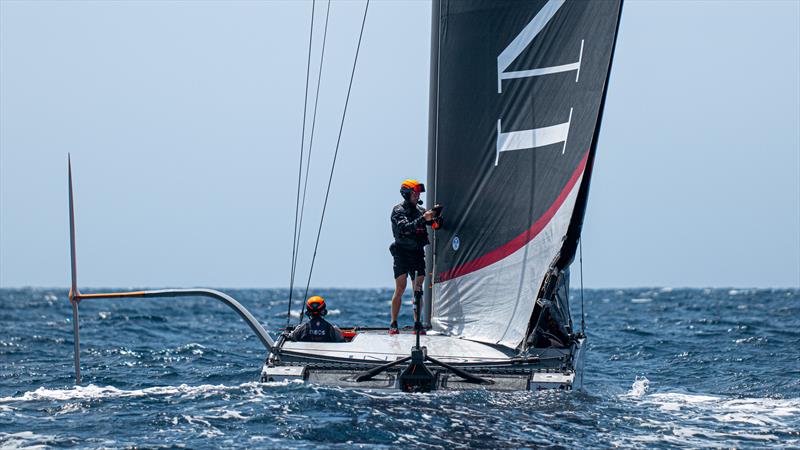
{"points": [[583, 323], [335, 154], [311, 140], [300, 169]]}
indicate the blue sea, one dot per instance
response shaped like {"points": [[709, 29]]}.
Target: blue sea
{"points": [[665, 368]]}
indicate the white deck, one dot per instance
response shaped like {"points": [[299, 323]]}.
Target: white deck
{"points": [[382, 347]]}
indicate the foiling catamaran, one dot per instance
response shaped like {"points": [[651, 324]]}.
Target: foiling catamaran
{"points": [[517, 90]]}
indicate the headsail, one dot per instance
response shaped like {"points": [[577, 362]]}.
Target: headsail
{"points": [[516, 98]]}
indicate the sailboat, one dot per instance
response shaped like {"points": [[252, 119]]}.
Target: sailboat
{"points": [[516, 100], [517, 90]]}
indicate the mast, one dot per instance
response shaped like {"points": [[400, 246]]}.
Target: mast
{"points": [[430, 259]]}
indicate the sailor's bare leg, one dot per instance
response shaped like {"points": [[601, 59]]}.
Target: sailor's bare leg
{"points": [[397, 298]]}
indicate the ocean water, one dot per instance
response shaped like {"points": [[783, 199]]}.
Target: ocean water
{"points": [[665, 368]]}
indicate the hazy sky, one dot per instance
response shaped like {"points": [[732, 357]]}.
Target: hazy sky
{"points": [[184, 119]]}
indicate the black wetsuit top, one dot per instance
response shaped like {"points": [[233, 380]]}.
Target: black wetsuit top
{"points": [[410, 239], [317, 330], [408, 228]]}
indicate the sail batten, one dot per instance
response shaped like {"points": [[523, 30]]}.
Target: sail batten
{"points": [[519, 88]]}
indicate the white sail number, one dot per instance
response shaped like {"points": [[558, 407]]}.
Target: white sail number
{"points": [[536, 137]]}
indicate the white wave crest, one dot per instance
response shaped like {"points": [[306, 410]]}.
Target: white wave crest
{"points": [[92, 392], [692, 419], [25, 440], [639, 387], [766, 412]]}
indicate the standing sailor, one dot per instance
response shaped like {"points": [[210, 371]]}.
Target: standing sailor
{"points": [[408, 249]]}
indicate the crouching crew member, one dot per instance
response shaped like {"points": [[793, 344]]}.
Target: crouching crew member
{"points": [[408, 249], [317, 329]]}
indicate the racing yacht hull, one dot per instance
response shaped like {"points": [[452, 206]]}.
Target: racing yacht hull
{"points": [[339, 364]]}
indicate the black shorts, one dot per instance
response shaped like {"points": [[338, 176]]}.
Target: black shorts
{"points": [[405, 262]]}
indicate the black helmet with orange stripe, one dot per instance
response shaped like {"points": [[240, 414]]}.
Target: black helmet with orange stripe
{"points": [[315, 306], [409, 186]]}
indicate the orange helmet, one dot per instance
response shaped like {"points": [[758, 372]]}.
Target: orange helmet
{"points": [[409, 186], [315, 306]]}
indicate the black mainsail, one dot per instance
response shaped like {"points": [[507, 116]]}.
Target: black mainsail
{"points": [[517, 90]]}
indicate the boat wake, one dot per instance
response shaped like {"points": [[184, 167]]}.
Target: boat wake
{"points": [[93, 392], [213, 410], [639, 387], [696, 419]]}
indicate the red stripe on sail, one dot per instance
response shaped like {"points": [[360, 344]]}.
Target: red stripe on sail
{"points": [[519, 241]]}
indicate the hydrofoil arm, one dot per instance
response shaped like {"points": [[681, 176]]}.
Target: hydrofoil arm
{"points": [[75, 296]]}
